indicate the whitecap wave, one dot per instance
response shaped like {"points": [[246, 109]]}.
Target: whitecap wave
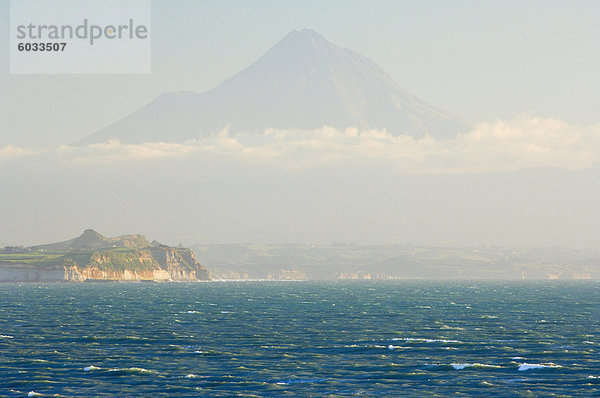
{"points": [[5, 336], [446, 327], [90, 368], [529, 366], [460, 366], [132, 370], [421, 340]]}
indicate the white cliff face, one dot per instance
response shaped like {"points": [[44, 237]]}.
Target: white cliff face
{"points": [[303, 82], [75, 274]]}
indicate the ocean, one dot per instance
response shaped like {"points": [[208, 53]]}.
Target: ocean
{"points": [[301, 339]]}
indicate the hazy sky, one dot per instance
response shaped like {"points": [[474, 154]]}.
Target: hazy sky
{"points": [[481, 60], [523, 73]]}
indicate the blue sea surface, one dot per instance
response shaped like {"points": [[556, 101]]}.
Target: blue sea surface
{"points": [[302, 339]]}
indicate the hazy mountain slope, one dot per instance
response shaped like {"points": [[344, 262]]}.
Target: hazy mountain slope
{"points": [[303, 82]]}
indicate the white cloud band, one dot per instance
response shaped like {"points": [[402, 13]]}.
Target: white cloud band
{"points": [[525, 142]]}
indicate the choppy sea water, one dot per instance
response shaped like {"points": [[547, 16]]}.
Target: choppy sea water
{"points": [[305, 339]]}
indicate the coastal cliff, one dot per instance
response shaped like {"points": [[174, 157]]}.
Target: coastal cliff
{"points": [[93, 257]]}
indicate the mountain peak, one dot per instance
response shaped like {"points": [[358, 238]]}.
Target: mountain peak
{"points": [[303, 82], [300, 42], [91, 233], [307, 33], [89, 238]]}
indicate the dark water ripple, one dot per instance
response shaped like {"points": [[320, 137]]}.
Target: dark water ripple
{"points": [[301, 339]]}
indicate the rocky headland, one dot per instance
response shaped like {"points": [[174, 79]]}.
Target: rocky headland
{"points": [[93, 257]]}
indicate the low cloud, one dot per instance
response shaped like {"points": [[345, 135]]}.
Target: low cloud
{"points": [[524, 142], [113, 151], [12, 152], [528, 142]]}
